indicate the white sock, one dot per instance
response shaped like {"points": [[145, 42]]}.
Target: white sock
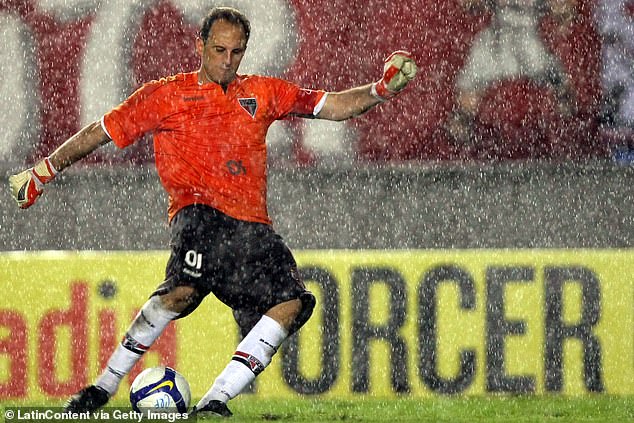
{"points": [[119, 364], [146, 327], [252, 356]]}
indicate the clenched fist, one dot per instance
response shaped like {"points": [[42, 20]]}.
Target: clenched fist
{"points": [[27, 185], [398, 70]]}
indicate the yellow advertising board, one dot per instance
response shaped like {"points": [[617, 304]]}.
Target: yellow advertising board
{"points": [[418, 323]]}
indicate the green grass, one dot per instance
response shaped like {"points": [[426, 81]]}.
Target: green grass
{"points": [[519, 409], [482, 409]]}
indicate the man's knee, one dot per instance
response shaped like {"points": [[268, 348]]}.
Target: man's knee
{"points": [[308, 302], [293, 314], [285, 313], [180, 298]]}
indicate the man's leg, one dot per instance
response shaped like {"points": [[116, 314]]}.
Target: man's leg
{"points": [[261, 277], [146, 327], [255, 352]]}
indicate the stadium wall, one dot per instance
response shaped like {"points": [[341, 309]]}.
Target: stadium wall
{"points": [[511, 205]]}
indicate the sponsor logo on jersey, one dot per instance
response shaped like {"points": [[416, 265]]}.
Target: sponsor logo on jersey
{"points": [[194, 98], [236, 167]]}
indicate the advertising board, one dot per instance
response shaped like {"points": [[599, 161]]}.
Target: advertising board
{"points": [[419, 323]]}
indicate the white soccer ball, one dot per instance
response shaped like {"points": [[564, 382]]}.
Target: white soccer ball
{"points": [[160, 389]]}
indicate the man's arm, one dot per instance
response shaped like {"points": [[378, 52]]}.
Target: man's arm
{"points": [[79, 146], [398, 70], [346, 104], [28, 185]]}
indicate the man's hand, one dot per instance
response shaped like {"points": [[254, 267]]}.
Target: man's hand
{"points": [[398, 70], [27, 185]]}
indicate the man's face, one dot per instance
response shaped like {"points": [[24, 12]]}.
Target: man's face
{"points": [[222, 53]]}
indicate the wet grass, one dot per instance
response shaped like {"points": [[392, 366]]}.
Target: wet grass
{"points": [[483, 409], [491, 409]]}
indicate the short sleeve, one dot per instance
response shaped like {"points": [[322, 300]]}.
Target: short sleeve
{"points": [[291, 99], [137, 115]]}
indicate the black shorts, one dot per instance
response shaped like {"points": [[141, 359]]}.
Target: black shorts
{"points": [[246, 265]]}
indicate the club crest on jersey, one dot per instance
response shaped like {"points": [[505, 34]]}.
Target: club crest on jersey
{"points": [[249, 104]]}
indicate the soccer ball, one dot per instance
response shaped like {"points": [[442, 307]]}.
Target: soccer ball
{"points": [[160, 389]]}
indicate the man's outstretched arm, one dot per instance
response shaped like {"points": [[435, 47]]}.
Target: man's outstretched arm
{"points": [[398, 70], [28, 185]]}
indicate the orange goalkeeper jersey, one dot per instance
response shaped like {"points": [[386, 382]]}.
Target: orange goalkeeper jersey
{"points": [[210, 145]]}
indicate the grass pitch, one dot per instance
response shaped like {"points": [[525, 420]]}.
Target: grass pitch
{"points": [[482, 409], [491, 409]]}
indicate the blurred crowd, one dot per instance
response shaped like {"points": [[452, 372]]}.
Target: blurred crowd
{"points": [[516, 86], [528, 79], [615, 23], [510, 48], [499, 79]]}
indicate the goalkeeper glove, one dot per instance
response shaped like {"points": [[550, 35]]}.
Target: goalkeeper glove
{"points": [[398, 70], [27, 185]]}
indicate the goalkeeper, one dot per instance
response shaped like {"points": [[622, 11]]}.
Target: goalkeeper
{"points": [[209, 130]]}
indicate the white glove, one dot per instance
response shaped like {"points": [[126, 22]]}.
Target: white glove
{"points": [[398, 70], [27, 185]]}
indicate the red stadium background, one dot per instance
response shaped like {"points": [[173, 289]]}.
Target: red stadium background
{"points": [[328, 44]]}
